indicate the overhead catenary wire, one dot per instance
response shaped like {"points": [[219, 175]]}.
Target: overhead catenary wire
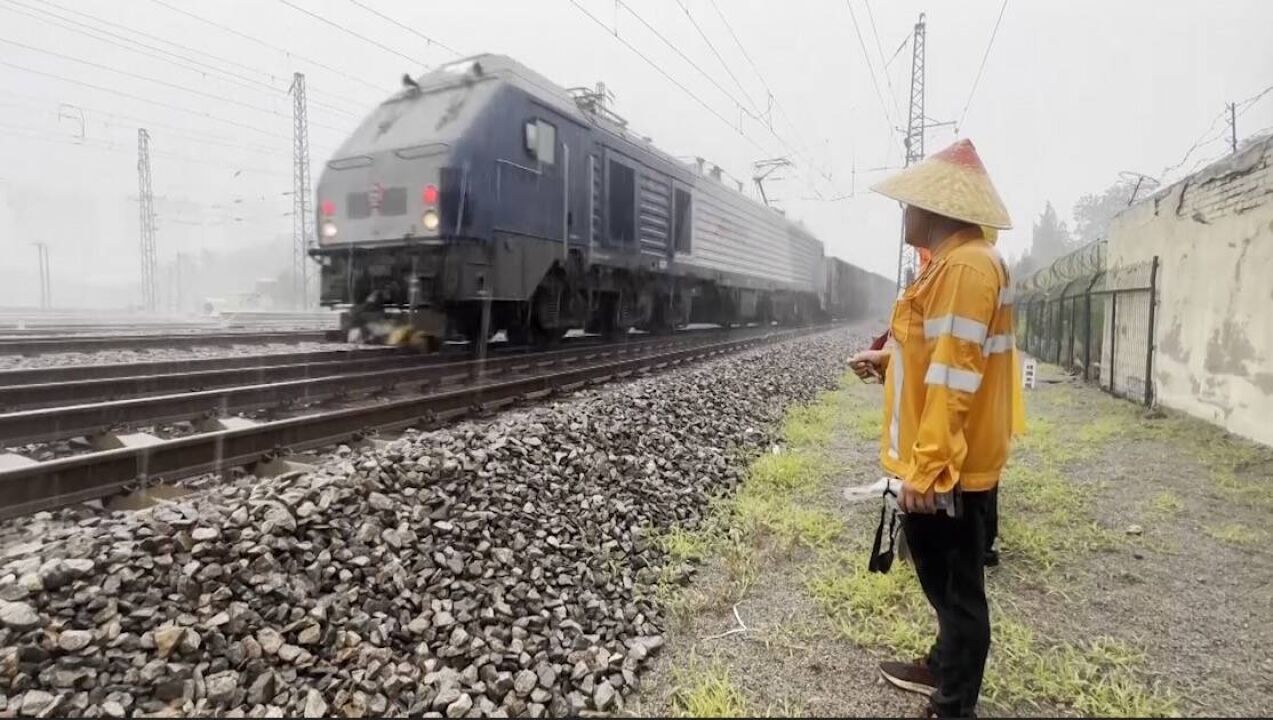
{"points": [[258, 41], [986, 55], [352, 33], [182, 48], [742, 108], [408, 28], [163, 83], [892, 94], [174, 59], [742, 48], [666, 75], [719, 57], [870, 68], [42, 134], [140, 98]]}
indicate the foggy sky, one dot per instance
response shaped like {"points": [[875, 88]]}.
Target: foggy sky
{"points": [[1073, 93]]}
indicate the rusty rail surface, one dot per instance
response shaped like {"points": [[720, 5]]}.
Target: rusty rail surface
{"points": [[66, 481]]}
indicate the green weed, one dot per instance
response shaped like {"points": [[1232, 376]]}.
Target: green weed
{"points": [[878, 610], [1167, 503], [1236, 534], [1102, 678], [708, 691]]}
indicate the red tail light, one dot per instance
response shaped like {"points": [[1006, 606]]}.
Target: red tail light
{"points": [[430, 194], [328, 208]]}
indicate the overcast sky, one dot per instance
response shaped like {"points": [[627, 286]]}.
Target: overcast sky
{"points": [[1072, 94]]}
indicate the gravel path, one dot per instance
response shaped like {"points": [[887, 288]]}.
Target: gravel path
{"points": [[501, 567], [14, 362]]}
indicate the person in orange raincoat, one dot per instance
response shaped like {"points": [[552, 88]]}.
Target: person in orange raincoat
{"points": [[948, 410]]}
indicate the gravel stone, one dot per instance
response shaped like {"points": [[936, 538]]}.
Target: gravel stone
{"points": [[500, 566], [18, 616], [74, 640]]}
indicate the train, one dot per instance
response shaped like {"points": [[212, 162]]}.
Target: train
{"points": [[482, 197]]}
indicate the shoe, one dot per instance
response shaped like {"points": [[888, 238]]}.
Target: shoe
{"points": [[992, 558], [912, 677]]}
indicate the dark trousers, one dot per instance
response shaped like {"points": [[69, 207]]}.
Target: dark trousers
{"points": [[949, 558], [992, 519]]}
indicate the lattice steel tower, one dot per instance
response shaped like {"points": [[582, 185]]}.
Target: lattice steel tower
{"points": [[146, 201], [302, 223], [907, 258]]}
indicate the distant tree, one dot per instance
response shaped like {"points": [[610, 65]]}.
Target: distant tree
{"points": [[1093, 212], [1024, 267], [1051, 238]]}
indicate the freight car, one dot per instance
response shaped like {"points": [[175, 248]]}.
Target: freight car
{"points": [[482, 197], [855, 294]]}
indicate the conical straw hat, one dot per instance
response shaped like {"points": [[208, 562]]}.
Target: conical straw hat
{"points": [[952, 183]]}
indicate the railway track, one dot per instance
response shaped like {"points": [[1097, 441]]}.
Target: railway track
{"points": [[37, 345], [265, 388], [445, 390]]}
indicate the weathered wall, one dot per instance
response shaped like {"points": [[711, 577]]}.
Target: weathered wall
{"points": [[1213, 233]]}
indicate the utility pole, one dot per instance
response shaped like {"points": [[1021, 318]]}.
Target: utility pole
{"points": [[907, 257], [1233, 127], [146, 200], [46, 285], [301, 220]]}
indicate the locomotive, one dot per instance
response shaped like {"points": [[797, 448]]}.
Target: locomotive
{"points": [[482, 197]]}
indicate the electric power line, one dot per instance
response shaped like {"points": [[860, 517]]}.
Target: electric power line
{"points": [[869, 68], [982, 67], [892, 94], [164, 83], [134, 121], [158, 53], [93, 143], [719, 57], [139, 98], [263, 43], [408, 28], [666, 75], [687, 59], [96, 21], [352, 33]]}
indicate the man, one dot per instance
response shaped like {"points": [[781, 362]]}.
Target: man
{"points": [[948, 405]]}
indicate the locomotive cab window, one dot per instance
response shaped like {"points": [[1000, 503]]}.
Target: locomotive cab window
{"points": [[683, 217], [541, 141]]}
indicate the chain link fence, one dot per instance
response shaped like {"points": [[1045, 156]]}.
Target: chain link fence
{"points": [[1099, 325]]}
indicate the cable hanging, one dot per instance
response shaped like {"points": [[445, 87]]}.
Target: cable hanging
{"points": [[984, 57]]}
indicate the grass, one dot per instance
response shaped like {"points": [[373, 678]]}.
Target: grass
{"points": [[1237, 534], [1101, 677], [1167, 503], [708, 691], [874, 610]]}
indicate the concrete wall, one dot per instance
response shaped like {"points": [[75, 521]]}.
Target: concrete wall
{"points": [[1213, 233]]}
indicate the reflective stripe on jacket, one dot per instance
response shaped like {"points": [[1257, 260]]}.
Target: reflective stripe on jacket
{"points": [[948, 393]]}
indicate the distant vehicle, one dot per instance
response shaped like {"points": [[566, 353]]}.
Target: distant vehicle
{"points": [[484, 183]]}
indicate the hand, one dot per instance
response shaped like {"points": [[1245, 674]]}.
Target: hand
{"points": [[913, 501], [869, 364]]}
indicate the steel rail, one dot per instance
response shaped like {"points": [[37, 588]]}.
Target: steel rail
{"points": [[80, 373], [56, 483], [67, 421], [94, 343]]}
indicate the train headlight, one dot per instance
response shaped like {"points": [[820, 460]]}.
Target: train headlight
{"points": [[329, 229], [430, 220]]}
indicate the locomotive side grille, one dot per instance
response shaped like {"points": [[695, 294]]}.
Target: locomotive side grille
{"points": [[359, 204]]}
